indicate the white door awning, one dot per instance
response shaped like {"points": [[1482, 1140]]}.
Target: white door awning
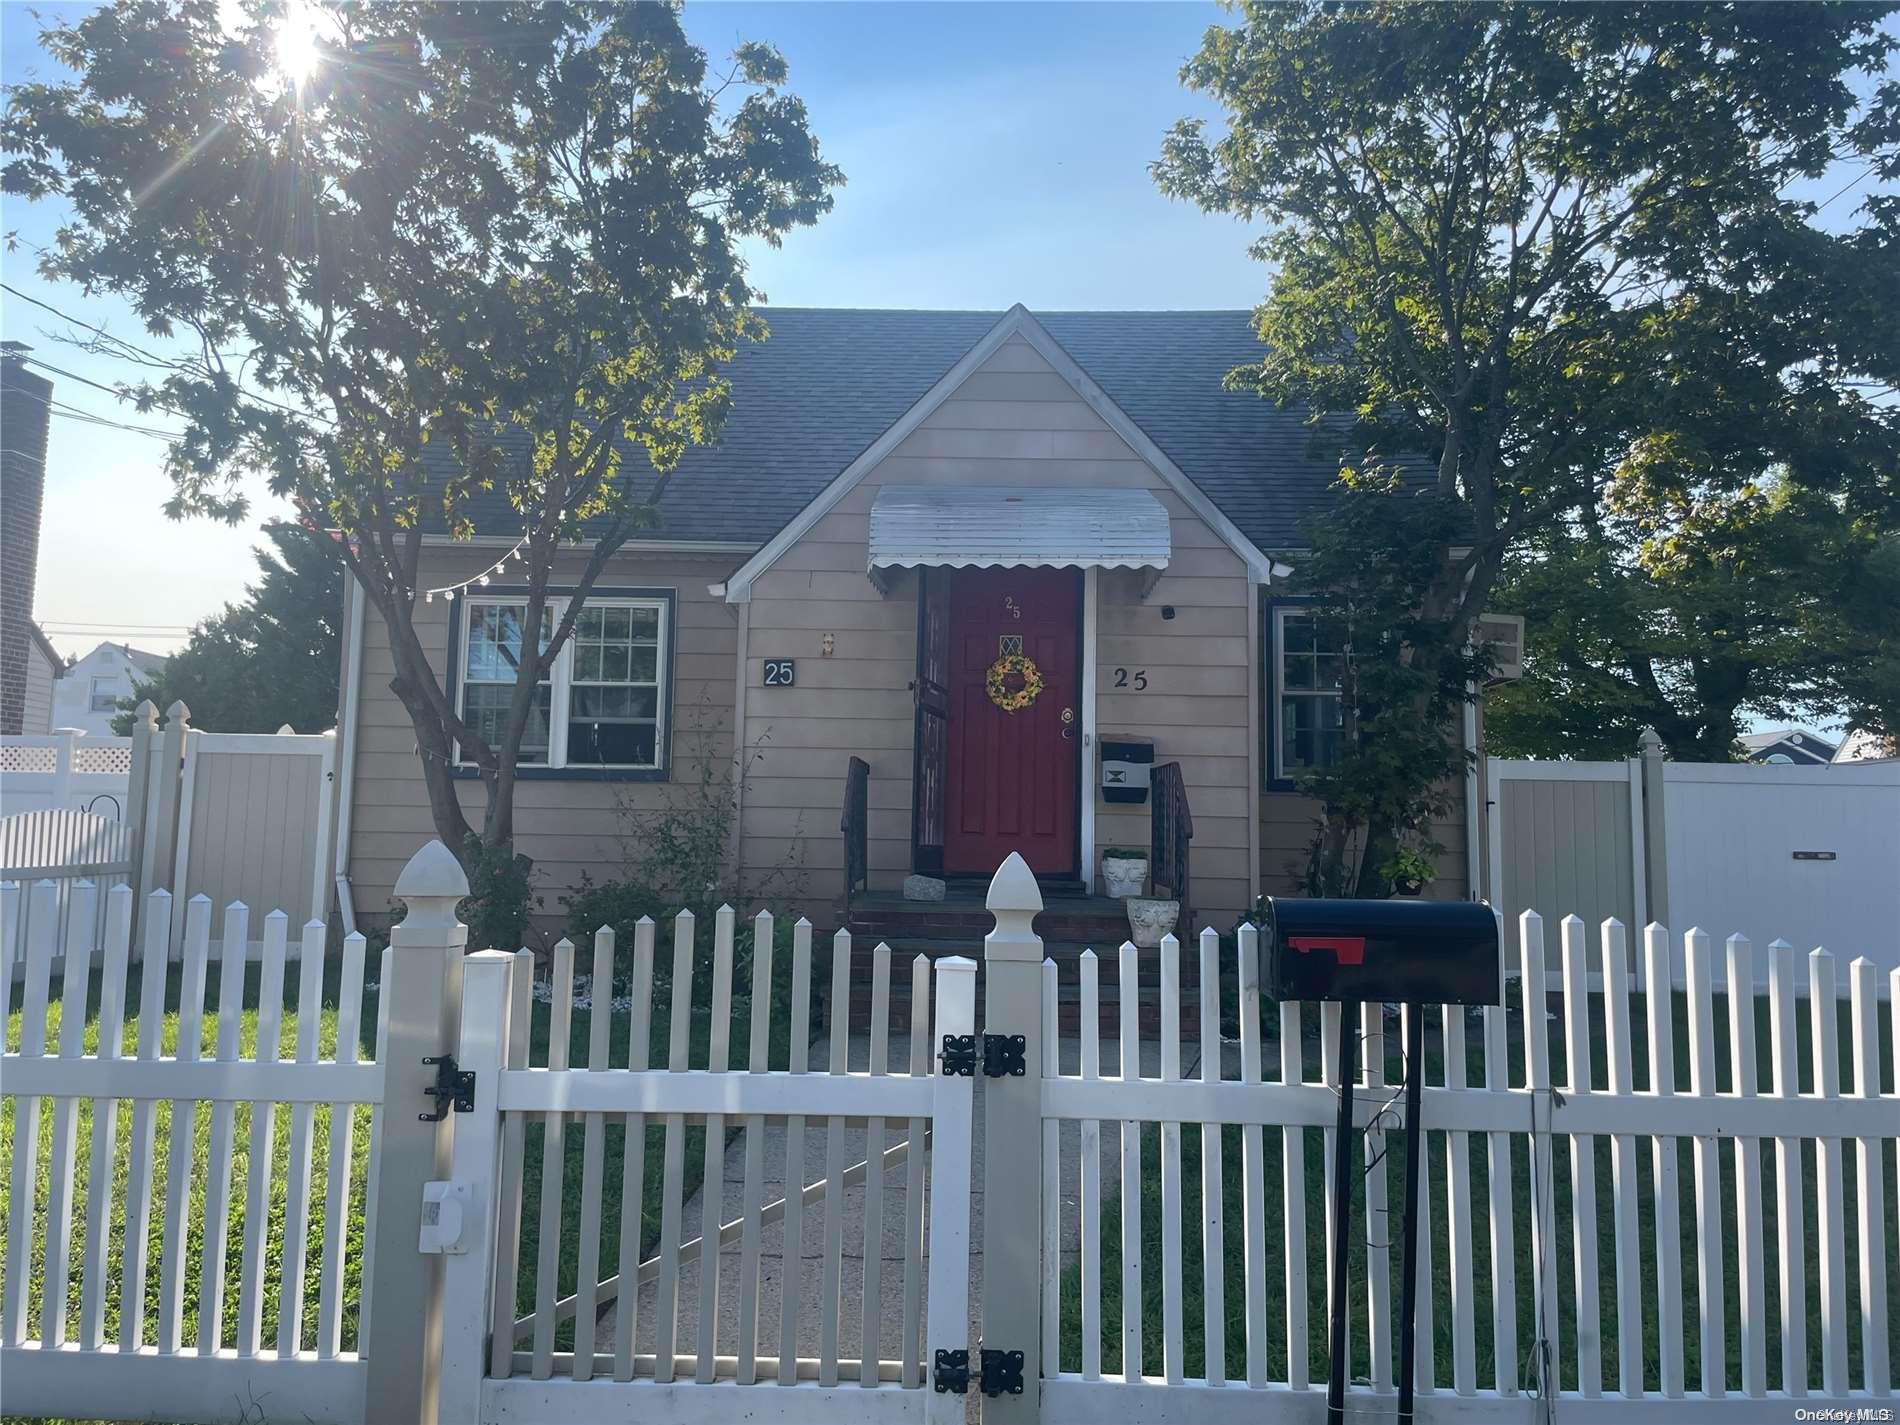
{"points": [[987, 526]]}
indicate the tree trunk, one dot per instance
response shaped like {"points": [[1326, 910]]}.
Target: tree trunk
{"points": [[434, 744]]}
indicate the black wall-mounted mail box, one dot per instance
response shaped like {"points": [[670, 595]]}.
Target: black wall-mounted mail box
{"points": [[1395, 951], [1126, 763]]}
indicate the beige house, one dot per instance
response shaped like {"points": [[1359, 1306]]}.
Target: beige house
{"points": [[992, 558]]}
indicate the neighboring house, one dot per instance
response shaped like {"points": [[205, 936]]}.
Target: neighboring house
{"points": [[93, 687], [900, 500], [43, 671], [1863, 745], [1789, 745]]}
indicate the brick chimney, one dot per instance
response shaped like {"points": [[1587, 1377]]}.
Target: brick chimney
{"points": [[24, 418]]}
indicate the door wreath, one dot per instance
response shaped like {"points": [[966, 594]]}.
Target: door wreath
{"points": [[1013, 682]]}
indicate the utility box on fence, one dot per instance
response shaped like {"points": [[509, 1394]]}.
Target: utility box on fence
{"points": [[1394, 951]]}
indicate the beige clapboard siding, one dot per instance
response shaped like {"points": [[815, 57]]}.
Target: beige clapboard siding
{"points": [[568, 826], [1013, 422], [1287, 821]]}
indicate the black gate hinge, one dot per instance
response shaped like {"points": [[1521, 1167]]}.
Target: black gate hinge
{"points": [[453, 1088], [952, 1373], [1004, 1055], [1002, 1372]]}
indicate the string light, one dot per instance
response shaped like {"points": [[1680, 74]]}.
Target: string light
{"points": [[500, 566]]}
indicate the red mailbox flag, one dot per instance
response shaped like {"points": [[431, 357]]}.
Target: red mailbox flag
{"points": [[1346, 949]]}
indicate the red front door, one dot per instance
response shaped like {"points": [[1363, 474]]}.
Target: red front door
{"points": [[1011, 776]]}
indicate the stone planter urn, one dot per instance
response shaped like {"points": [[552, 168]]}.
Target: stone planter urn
{"points": [[1149, 919], [1123, 875]]}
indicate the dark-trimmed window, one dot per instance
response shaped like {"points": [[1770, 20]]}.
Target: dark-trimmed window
{"points": [[603, 705]]}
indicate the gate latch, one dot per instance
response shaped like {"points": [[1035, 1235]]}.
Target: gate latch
{"points": [[453, 1088], [959, 1057], [1002, 1372], [1003, 1055], [952, 1373]]}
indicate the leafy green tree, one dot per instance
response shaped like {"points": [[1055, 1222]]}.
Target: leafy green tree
{"points": [[463, 230], [270, 661], [1493, 230], [1771, 603]]}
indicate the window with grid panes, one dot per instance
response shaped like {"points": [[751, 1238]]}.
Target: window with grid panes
{"points": [[603, 704], [1307, 675], [491, 655], [614, 718]]}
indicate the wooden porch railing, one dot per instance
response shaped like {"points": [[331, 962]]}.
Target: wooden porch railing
{"points": [[853, 824], [1171, 828]]}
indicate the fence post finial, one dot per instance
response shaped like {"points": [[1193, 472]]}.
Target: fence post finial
{"points": [[145, 715], [431, 885], [1014, 899], [178, 715], [1649, 743]]}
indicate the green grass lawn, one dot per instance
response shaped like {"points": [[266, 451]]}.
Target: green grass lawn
{"points": [[167, 1135], [1232, 1198]]}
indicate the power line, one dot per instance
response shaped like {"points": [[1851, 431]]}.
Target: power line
{"points": [[67, 411], [153, 357], [1851, 183]]}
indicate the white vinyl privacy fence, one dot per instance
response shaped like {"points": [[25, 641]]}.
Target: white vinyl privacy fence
{"points": [[232, 816], [1810, 853], [656, 1190]]}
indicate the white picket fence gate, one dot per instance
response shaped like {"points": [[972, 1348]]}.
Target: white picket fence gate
{"points": [[1605, 1237]]}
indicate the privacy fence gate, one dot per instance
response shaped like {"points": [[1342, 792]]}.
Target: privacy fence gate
{"points": [[667, 1183]]}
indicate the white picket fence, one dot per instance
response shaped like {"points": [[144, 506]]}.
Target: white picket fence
{"points": [[68, 847], [1604, 1237], [1515, 1129], [157, 1322], [676, 1347]]}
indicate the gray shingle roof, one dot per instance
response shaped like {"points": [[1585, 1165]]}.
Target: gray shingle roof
{"points": [[829, 381]]}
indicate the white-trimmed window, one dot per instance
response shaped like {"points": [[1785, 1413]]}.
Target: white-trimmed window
{"points": [[604, 704], [105, 695], [1307, 673], [614, 686]]}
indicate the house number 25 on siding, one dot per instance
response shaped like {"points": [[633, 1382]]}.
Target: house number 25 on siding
{"points": [[780, 672], [1138, 680]]}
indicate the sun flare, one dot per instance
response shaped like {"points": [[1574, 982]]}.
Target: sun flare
{"points": [[298, 52]]}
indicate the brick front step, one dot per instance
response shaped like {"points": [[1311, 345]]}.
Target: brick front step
{"points": [[1087, 920]]}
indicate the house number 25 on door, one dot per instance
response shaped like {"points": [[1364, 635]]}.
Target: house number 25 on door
{"points": [[1138, 680]]}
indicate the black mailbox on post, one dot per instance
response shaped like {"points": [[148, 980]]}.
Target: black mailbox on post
{"points": [[1407, 952], [1394, 951]]}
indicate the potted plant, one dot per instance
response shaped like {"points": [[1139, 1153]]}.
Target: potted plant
{"points": [[1408, 872], [1124, 870]]}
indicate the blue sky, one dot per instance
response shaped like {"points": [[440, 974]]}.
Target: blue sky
{"points": [[995, 153]]}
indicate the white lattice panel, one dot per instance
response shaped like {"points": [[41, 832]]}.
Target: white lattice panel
{"points": [[31, 759], [105, 760]]}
